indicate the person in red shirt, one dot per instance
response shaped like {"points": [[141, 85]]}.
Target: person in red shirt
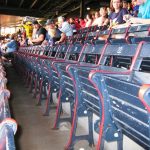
{"points": [[82, 22], [76, 21]]}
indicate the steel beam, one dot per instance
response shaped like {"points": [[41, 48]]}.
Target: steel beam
{"points": [[64, 4], [82, 5], [35, 1], [21, 3], [6, 2], [44, 4], [59, 6]]}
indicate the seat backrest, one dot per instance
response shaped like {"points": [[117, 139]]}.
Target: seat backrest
{"points": [[29, 49], [145, 58], [142, 65], [139, 30], [37, 49], [53, 51], [105, 33], [88, 93], [89, 101], [62, 51], [119, 35], [40, 50], [92, 52], [74, 52], [85, 30], [47, 50], [32, 49], [129, 106], [81, 37], [119, 31], [79, 31], [119, 55], [91, 35]]}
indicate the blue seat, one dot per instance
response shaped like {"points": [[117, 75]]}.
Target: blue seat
{"points": [[119, 35], [4, 106], [139, 33], [131, 34], [8, 129], [88, 99], [66, 87], [142, 66], [75, 56], [91, 36], [128, 106], [50, 76], [46, 75]]}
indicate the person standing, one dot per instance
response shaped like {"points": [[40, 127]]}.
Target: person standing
{"points": [[28, 29], [143, 14], [11, 47], [40, 34], [116, 16], [53, 34], [64, 26]]}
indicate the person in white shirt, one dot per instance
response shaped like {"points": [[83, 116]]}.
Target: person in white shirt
{"points": [[95, 21], [89, 20], [102, 20], [64, 26]]}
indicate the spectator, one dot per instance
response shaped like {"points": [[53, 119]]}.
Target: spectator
{"points": [[108, 11], [73, 25], [53, 34], [144, 13], [64, 26], [116, 17], [103, 19], [89, 20], [93, 16], [124, 4], [95, 21], [144, 9], [135, 8], [82, 22], [23, 41], [28, 28], [11, 46], [76, 21], [40, 34], [130, 9]]}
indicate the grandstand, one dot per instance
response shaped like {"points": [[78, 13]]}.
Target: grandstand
{"points": [[73, 83]]}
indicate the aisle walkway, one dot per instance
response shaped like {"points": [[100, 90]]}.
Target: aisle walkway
{"points": [[34, 131]]}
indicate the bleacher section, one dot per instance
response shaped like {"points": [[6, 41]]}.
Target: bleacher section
{"points": [[105, 82], [8, 126]]}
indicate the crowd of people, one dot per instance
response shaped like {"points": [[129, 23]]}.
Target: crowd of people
{"points": [[56, 30]]}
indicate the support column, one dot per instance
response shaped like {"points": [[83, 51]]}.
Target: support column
{"points": [[82, 4]]}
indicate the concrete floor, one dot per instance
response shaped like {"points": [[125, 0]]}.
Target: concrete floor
{"points": [[34, 130]]}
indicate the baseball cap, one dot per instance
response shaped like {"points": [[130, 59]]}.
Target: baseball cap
{"points": [[28, 23], [35, 22], [49, 21]]}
